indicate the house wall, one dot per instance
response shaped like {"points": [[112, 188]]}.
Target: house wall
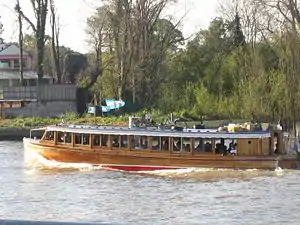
{"points": [[42, 109], [50, 100]]}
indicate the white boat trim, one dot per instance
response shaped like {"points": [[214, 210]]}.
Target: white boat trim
{"points": [[188, 133]]}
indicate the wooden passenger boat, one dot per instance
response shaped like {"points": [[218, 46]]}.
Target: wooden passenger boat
{"points": [[144, 149]]}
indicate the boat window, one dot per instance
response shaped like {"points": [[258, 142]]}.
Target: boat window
{"points": [[165, 143], [85, 139], [49, 136], [232, 149], [156, 143], [82, 139], [60, 137], [207, 146], [139, 142], [199, 145], [221, 147], [115, 141], [186, 144], [68, 138], [124, 143], [177, 144], [96, 140], [104, 140]]}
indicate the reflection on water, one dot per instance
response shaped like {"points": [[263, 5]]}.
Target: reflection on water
{"points": [[79, 192]]}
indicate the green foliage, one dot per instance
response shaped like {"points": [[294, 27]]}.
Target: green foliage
{"points": [[221, 72]]}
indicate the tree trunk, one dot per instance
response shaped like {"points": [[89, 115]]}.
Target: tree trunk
{"points": [[20, 43]]}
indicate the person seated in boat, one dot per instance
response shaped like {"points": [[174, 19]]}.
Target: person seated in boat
{"points": [[232, 148], [276, 151], [85, 140], [115, 142], [49, 136], [67, 138], [207, 147], [166, 145], [124, 143], [199, 146], [60, 137], [187, 147], [96, 140], [177, 146], [221, 147]]}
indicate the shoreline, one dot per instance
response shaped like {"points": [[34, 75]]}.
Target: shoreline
{"points": [[14, 133]]}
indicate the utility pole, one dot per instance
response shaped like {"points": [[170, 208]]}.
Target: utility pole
{"points": [[18, 10]]}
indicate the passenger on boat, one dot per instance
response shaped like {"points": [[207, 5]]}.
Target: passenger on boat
{"points": [[208, 147], [199, 146], [276, 149], [96, 140], [221, 147], [166, 145], [49, 136], [85, 140], [232, 148], [115, 142], [178, 145], [124, 143]]}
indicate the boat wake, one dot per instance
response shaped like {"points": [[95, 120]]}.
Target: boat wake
{"points": [[36, 161], [212, 175]]}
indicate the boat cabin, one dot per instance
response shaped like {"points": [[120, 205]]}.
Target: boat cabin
{"points": [[187, 141]]}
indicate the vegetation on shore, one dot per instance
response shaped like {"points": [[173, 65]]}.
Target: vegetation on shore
{"points": [[244, 65], [31, 122]]}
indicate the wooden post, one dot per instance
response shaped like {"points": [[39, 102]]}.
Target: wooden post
{"points": [[129, 141], [55, 137], [100, 140], [202, 145], [109, 141], [170, 145], [192, 146], [120, 141], [72, 139], [213, 146], [91, 140], [150, 143]]}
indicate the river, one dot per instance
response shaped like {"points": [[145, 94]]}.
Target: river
{"points": [[81, 193]]}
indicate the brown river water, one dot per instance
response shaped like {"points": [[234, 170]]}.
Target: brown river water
{"points": [[82, 193]]}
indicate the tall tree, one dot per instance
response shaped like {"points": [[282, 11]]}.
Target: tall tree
{"points": [[55, 41], [140, 41], [98, 30], [40, 9], [18, 10]]}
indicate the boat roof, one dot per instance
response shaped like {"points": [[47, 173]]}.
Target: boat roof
{"points": [[186, 133]]}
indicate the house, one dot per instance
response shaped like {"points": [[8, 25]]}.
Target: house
{"points": [[10, 67]]}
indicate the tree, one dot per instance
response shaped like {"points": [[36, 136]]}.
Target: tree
{"points": [[55, 41], [40, 9], [18, 10]]}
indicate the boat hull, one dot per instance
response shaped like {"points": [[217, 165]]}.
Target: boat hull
{"points": [[139, 160]]}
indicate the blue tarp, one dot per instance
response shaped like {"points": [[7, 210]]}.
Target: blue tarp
{"points": [[110, 104]]}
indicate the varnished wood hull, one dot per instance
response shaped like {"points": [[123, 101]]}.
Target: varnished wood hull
{"points": [[139, 160]]}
